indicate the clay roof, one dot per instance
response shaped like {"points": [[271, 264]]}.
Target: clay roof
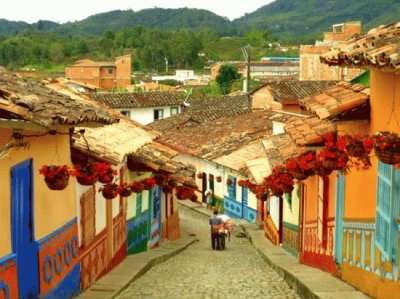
{"points": [[308, 131], [379, 48], [293, 90], [114, 142], [337, 99], [202, 110], [160, 158], [26, 99], [137, 100], [220, 137]]}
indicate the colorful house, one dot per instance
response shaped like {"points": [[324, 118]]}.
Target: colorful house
{"points": [[219, 150], [367, 202], [39, 248]]}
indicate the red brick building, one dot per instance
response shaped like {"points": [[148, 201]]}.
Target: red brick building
{"points": [[103, 74], [310, 66]]}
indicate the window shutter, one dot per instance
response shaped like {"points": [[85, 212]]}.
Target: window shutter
{"points": [[384, 210], [88, 216]]}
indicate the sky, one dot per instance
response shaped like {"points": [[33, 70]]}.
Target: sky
{"points": [[31, 11]]}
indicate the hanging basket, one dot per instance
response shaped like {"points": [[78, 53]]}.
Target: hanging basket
{"points": [[322, 171], [126, 192], [57, 183], [107, 178], [300, 174], [109, 194], [356, 149], [387, 156], [87, 180]]}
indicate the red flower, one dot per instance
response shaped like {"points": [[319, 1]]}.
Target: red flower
{"points": [[229, 182], [149, 182], [136, 186], [109, 191], [55, 171], [184, 192]]}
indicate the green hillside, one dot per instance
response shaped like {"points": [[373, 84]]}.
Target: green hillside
{"points": [[297, 20]]}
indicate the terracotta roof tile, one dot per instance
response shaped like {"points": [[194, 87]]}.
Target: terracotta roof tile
{"points": [[221, 137], [308, 131], [113, 142], [379, 48], [336, 100], [202, 110], [137, 100], [46, 107], [294, 90]]}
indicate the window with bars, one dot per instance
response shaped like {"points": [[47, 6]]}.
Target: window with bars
{"points": [[387, 210]]}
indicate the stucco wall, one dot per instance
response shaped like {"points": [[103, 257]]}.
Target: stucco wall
{"points": [[146, 115], [52, 209]]}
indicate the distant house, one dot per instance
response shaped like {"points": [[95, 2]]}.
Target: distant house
{"points": [[104, 74], [143, 107], [310, 66], [285, 95]]}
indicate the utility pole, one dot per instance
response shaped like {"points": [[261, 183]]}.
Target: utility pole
{"points": [[248, 74], [246, 55]]}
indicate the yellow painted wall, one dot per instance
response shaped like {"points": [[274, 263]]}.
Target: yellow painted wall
{"points": [[52, 209]]}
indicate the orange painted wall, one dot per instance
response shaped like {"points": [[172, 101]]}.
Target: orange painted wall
{"points": [[87, 74], [311, 198]]}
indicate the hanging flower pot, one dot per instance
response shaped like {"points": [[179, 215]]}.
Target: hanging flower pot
{"points": [[229, 182], [302, 166], [105, 172], [55, 177], [85, 174], [148, 183], [200, 175], [184, 192], [136, 186], [333, 158], [109, 191], [218, 179], [125, 190], [387, 147]]}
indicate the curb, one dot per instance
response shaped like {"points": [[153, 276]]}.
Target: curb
{"points": [[103, 288], [300, 288]]}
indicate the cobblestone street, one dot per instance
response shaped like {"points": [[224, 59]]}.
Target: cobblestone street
{"points": [[200, 272]]}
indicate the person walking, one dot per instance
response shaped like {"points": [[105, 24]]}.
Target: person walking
{"points": [[216, 226]]}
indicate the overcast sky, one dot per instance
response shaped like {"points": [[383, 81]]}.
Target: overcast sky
{"points": [[74, 10]]}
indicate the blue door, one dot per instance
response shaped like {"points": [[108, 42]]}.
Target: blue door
{"points": [[155, 217], [23, 242]]}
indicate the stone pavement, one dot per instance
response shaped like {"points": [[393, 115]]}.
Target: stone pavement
{"points": [[308, 282], [200, 272]]}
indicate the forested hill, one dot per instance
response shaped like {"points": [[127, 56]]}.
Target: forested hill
{"points": [[167, 19], [294, 18], [291, 20]]}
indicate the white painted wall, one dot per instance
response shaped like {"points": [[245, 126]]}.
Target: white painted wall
{"points": [[274, 210], [291, 212], [146, 115]]}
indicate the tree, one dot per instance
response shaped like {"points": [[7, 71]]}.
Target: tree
{"points": [[227, 74]]}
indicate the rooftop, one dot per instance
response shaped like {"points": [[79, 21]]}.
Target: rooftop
{"points": [[379, 48]]}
